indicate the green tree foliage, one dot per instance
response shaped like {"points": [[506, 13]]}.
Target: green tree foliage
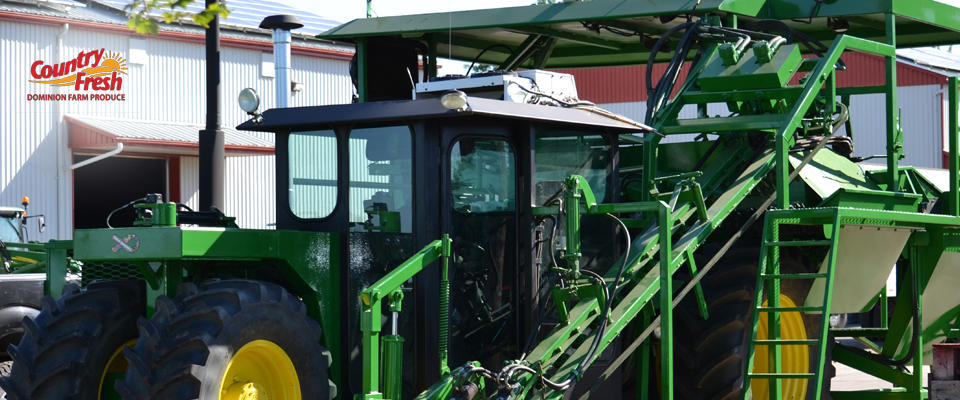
{"points": [[479, 68], [173, 10]]}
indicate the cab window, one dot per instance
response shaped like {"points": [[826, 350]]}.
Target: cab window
{"points": [[313, 173]]}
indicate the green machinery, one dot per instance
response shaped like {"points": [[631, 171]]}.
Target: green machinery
{"points": [[19, 254], [513, 241]]}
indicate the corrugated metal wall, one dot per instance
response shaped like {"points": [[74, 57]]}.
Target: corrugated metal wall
{"points": [[190, 181], [28, 140], [251, 196], [922, 123], [168, 87]]}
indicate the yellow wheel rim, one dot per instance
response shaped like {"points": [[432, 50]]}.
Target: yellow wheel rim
{"points": [[793, 358], [260, 370], [116, 365]]}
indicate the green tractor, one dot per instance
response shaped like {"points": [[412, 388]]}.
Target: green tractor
{"points": [[19, 253], [494, 236], [21, 279]]}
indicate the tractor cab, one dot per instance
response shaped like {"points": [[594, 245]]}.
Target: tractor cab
{"points": [[392, 176], [11, 224]]}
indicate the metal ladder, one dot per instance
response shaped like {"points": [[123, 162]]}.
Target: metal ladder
{"points": [[769, 275]]}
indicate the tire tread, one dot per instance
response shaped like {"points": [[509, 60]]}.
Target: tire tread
{"points": [[61, 347]]}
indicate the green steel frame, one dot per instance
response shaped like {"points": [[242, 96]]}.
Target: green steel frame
{"points": [[683, 212]]}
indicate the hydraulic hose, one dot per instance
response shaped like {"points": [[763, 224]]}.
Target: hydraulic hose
{"points": [[665, 85], [656, 48], [605, 316]]}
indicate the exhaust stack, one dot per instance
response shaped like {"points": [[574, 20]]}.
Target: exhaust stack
{"points": [[281, 26], [211, 138]]}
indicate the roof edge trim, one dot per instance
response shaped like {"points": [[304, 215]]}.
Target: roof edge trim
{"points": [[27, 18]]}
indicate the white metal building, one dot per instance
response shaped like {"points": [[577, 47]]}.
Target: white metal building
{"points": [[157, 121]]}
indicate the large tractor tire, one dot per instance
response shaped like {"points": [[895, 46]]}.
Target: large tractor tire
{"points": [[231, 339], [72, 350], [711, 354], [11, 331]]}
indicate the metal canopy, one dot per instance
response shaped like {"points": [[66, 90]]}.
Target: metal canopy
{"points": [[560, 27], [299, 118]]}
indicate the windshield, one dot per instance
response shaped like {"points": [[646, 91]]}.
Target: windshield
{"points": [[561, 154], [8, 230]]}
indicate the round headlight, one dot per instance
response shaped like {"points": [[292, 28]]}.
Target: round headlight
{"points": [[454, 100], [249, 100]]}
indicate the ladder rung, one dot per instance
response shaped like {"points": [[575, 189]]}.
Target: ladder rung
{"points": [[786, 341], [787, 309], [782, 376], [793, 276], [801, 243]]}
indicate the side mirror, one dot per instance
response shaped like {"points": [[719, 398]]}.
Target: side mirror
{"points": [[43, 224]]}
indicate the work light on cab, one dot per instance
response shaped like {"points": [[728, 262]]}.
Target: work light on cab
{"points": [[250, 103]]}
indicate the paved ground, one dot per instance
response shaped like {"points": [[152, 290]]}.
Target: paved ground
{"points": [[850, 379]]}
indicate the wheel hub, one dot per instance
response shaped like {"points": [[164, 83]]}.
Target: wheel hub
{"points": [[246, 391], [260, 370]]}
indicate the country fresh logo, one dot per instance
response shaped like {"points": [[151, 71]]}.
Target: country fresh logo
{"points": [[95, 70]]}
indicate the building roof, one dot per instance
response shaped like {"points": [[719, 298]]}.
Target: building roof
{"points": [[247, 14], [109, 16], [141, 136], [934, 60]]}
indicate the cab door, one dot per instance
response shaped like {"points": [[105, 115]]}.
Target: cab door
{"points": [[479, 210]]}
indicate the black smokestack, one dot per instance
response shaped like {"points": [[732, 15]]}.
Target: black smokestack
{"points": [[211, 138]]}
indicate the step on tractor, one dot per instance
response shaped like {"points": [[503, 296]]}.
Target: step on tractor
{"points": [[496, 236]]}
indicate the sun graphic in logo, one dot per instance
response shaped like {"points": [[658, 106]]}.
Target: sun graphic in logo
{"points": [[112, 62]]}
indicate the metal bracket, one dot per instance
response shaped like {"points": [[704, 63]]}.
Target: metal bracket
{"points": [[698, 289]]}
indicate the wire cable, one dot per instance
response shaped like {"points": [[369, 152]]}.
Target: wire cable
{"points": [[122, 207], [477, 58]]}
